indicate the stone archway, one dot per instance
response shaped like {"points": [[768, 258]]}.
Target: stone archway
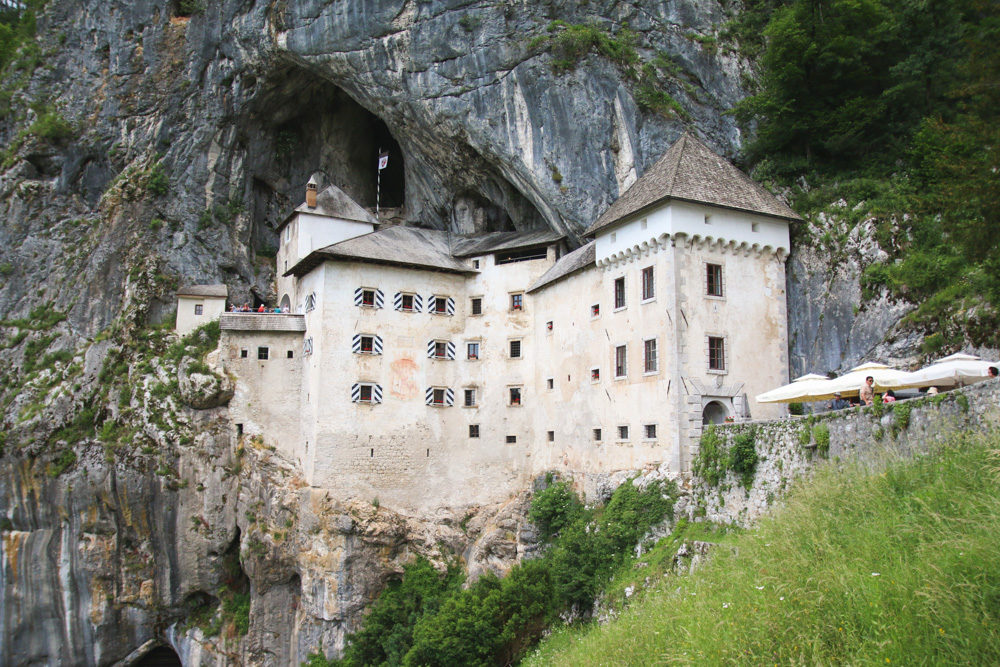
{"points": [[714, 412], [286, 304]]}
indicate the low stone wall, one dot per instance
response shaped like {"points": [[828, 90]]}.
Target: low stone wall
{"points": [[788, 448]]}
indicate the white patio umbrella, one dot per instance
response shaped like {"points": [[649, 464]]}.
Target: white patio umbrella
{"points": [[951, 371], [797, 390], [849, 384]]}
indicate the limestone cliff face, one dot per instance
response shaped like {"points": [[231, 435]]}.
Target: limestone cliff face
{"points": [[193, 137]]}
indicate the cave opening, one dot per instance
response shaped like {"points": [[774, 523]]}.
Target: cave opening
{"points": [[161, 656], [300, 123]]}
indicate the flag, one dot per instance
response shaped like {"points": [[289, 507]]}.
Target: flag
{"points": [[383, 161]]}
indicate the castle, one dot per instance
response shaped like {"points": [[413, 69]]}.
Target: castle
{"points": [[427, 369]]}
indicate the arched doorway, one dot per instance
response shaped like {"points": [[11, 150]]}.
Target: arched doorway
{"points": [[714, 412], [286, 304], [161, 656]]}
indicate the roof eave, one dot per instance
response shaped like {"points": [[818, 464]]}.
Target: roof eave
{"points": [[592, 230], [317, 257]]}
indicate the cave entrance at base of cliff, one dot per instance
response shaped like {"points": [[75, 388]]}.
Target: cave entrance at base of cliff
{"points": [[714, 412], [161, 656]]}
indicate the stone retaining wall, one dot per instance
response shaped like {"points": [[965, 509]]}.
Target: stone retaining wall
{"points": [[787, 448]]}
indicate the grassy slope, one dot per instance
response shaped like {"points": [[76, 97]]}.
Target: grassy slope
{"points": [[896, 567]]}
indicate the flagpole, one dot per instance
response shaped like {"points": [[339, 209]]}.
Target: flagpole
{"points": [[378, 181]]}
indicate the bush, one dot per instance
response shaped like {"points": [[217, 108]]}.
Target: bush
{"points": [[743, 457], [796, 409], [821, 433], [710, 464], [554, 508], [50, 125], [157, 183]]}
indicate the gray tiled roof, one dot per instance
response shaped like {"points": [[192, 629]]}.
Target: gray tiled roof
{"points": [[407, 246], [262, 322], [570, 263], [691, 171], [220, 291], [466, 246], [333, 202]]}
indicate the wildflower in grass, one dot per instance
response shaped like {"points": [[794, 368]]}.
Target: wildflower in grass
{"points": [[875, 574], [759, 588]]}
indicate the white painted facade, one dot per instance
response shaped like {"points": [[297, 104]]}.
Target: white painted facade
{"points": [[194, 311]]}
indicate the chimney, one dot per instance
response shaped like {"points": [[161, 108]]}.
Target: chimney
{"points": [[311, 192]]}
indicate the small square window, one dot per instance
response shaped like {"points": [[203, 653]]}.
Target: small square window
{"points": [[619, 293], [366, 393], [595, 374], [476, 305], [511, 439], [515, 395], [552, 436], [199, 309], [708, 219], [648, 284], [475, 263], [548, 325], [262, 352], [406, 303], [650, 431], [515, 349], [713, 279], [290, 354], [367, 344], [595, 310], [517, 301], [550, 383], [716, 353], [438, 397], [440, 304], [368, 297], [621, 361], [623, 432], [597, 434], [473, 351], [473, 430], [470, 398], [244, 353], [440, 349], [754, 226]]}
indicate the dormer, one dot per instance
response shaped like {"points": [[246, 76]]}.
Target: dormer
{"points": [[328, 215]]}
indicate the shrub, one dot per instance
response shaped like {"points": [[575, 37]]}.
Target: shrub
{"points": [[743, 457], [157, 183], [66, 458], [236, 607], [821, 433], [6, 269], [901, 412], [710, 463], [796, 409], [554, 508], [50, 125]]}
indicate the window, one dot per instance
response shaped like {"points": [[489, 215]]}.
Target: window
{"points": [[515, 349], [708, 219], [440, 305], [517, 301], [476, 305], [511, 439], [754, 226], [595, 374], [713, 279], [473, 351], [475, 263], [550, 383], [597, 434], [619, 293], [716, 353], [406, 303], [366, 393], [649, 431], [470, 398], [473, 430], [290, 354], [552, 436], [515, 395], [368, 297], [519, 255], [288, 233], [621, 361], [262, 353], [307, 346], [648, 284], [243, 353], [650, 363], [595, 310], [548, 325], [438, 397], [199, 309], [623, 432], [367, 344], [440, 349], [311, 302]]}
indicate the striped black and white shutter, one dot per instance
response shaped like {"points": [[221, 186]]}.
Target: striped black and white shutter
{"points": [[377, 345], [430, 347], [418, 303], [379, 299], [359, 296], [449, 396], [430, 304], [397, 301], [376, 393], [429, 397], [450, 306], [355, 392], [356, 344], [451, 350]]}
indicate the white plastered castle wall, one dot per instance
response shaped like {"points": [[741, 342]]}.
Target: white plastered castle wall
{"points": [[187, 318]]}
